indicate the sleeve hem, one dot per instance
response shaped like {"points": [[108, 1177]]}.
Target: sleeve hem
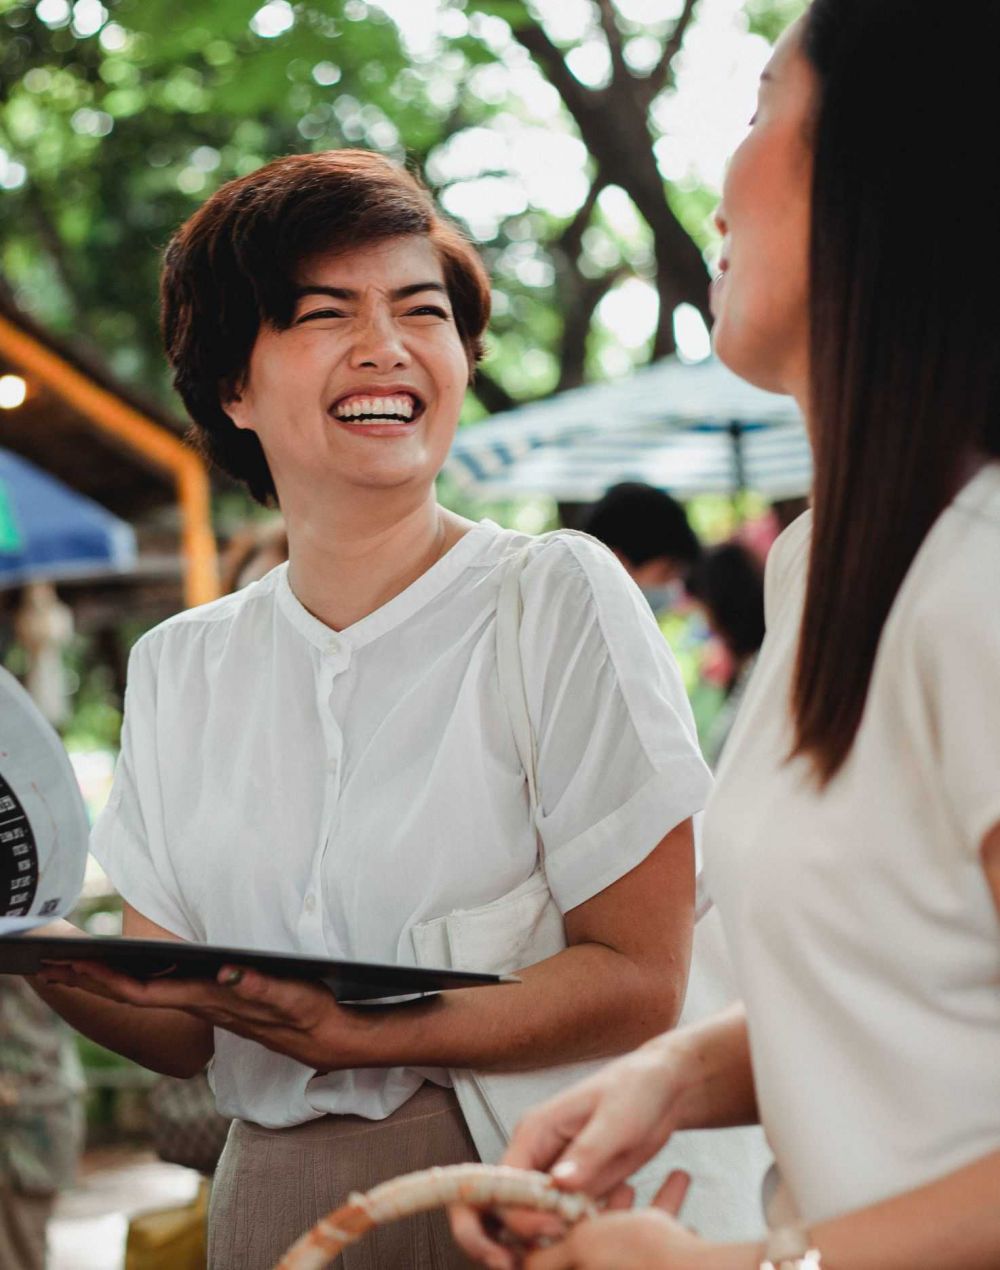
{"points": [[145, 901], [605, 852]]}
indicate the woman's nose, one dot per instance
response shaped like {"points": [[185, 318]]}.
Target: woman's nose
{"points": [[378, 343]]}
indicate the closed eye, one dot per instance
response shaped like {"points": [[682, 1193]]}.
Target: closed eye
{"points": [[428, 310], [320, 313]]}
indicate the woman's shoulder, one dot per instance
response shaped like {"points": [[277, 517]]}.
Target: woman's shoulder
{"points": [[787, 566], [567, 554], [567, 575], [214, 620], [953, 587]]}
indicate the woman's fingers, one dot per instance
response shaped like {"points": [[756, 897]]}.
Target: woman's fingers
{"points": [[621, 1199], [561, 1256], [469, 1231], [672, 1194], [601, 1157], [250, 998]]}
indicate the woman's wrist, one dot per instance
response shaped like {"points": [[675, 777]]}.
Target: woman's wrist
{"points": [[708, 1066], [682, 1063]]}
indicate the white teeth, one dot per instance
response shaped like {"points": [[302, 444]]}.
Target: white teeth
{"points": [[382, 408]]}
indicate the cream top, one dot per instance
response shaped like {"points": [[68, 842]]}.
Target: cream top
{"points": [[864, 935]]}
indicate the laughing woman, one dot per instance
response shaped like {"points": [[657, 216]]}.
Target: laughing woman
{"points": [[324, 762]]}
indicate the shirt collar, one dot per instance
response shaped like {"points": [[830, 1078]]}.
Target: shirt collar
{"points": [[401, 607]]}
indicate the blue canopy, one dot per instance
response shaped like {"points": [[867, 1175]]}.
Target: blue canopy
{"points": [[689, 429], [49, 532]]}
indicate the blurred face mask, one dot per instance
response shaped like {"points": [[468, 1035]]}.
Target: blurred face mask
{"points": [[665, 597]]}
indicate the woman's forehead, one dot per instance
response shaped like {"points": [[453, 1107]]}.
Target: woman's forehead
{"points": [[393, 261]]}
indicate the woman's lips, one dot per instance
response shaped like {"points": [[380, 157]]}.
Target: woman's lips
{"points": [[400, 428]]}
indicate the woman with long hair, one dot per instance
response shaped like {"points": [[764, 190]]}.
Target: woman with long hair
{"points": [[852, 842]]}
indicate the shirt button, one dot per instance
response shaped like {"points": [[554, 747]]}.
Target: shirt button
{"points": [[333, 644], [309, 903], [331, 766]]}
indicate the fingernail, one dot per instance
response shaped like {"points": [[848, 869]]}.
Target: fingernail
{"points": [[565, 1169], [232, 977]]}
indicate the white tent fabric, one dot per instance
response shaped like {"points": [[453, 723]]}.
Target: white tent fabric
{"points": [[690, 429]]}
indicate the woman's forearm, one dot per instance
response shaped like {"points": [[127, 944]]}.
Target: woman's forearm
{"points": [[711, 1063], [620, 981], [167, 1041], [950, 1224], [586, 1002], [953, 1222]]}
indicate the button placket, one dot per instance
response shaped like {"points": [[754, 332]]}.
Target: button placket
{"points": [[336, 657]]}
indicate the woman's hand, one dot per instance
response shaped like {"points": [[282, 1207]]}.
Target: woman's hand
{"points": [[651, 1239], [592, 1137], [646, 1240], [297, 1019]]}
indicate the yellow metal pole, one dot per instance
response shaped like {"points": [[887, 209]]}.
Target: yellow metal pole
{"points": [[111, 414]]}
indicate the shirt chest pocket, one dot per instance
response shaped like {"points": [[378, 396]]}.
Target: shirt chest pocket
{"points": [[509, 933]]}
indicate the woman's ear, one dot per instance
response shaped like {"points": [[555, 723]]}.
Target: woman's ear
{"points": [[234, 405]]}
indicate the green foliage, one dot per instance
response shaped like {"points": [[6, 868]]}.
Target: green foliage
{"points": [[770, 17], [113, 130]]}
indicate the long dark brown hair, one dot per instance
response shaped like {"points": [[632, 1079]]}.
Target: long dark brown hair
{"points": [[905, 339]]}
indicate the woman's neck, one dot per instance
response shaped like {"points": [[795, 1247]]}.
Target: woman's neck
{"points": [[345, 564]]}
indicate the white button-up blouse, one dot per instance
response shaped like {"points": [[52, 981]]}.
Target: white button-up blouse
{"points": [[287, 787]]}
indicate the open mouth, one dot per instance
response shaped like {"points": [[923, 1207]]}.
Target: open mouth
{"points": [[374, 409]]}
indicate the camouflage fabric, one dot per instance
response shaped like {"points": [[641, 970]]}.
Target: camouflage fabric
{"points": [[41, 1112]]}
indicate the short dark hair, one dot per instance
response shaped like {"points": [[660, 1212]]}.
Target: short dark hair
{"points": [[730, 583], [641, 524], [232, 267]]}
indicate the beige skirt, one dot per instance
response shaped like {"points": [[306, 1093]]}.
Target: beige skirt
{"points": [[273, 1184]]}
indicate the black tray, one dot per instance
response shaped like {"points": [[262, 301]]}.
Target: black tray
{"points": [[164, 958]]}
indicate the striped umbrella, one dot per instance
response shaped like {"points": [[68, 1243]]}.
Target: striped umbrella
{"points": [[690, 429], [49, 532]]}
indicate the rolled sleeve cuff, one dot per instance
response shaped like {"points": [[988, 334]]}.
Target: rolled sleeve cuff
{"points": [[578, 870], [143, 894]]}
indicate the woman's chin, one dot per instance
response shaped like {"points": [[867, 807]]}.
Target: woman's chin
{"points": [[750, 360]]}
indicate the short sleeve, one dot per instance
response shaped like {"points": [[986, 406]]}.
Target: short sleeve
{"points": [[128, 839], [957, 643], [618, 758]]}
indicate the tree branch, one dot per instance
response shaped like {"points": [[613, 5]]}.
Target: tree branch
{"points": [[570, 241], [613, 35], [578, 319], [578, 99], [662, 74], [493, 397]]}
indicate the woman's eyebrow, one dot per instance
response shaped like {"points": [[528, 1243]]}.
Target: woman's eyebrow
{"points": [[345, 293]]}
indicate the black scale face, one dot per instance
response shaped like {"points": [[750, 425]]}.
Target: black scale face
{"points": [[18, 856]]}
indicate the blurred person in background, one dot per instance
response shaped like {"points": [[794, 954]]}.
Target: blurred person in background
{"points": [[41, 1121], [649, 533], [727, 583], [324, 763], [251, 553], [852, 842]]}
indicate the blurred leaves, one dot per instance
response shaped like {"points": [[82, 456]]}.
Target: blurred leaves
{"points": [[118, 119], [770, 17]]}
